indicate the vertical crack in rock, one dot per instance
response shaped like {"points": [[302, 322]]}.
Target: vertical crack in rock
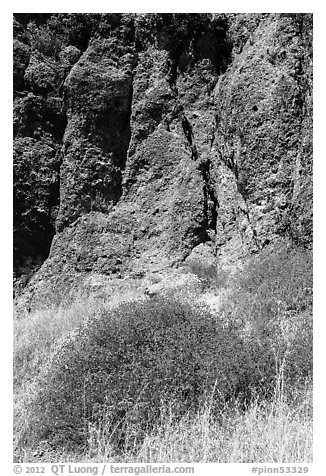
{"points": [[209, 48], [126, 130], [210, 200], [188, 132]]}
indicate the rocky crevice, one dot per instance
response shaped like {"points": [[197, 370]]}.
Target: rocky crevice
{"points": [[210, 206], [189, 135], [211, 200], [189, 53]]}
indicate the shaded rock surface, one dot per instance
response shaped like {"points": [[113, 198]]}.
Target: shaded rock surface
{"points": [[141, 137]]}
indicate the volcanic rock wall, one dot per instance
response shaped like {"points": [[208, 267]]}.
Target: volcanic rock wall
{"points": [[139, 137]]}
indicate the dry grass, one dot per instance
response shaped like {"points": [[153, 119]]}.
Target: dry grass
{"points": [[266, 432], [36, 333], [274, 430]]}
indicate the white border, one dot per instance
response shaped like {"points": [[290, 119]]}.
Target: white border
{"points": [[317, 8]]}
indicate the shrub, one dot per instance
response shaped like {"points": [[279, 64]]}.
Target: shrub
{"points": [[43, 40], [210, 275], [283, 276], [125, 363], [271, 306], [60, 30]]}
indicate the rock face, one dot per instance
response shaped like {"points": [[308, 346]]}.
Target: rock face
{"points": [[139, 137], [263, 105]]}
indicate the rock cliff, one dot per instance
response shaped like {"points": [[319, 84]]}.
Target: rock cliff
{"points": [[141, 137]]}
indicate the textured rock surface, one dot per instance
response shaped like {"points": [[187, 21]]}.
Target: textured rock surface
{"points": [[263, 103], [139, 137]]}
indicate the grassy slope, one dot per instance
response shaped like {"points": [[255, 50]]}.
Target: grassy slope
{"points": [[278, 429]]}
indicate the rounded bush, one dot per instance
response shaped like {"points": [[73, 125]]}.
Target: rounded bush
{"points": [[124, 364]]}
